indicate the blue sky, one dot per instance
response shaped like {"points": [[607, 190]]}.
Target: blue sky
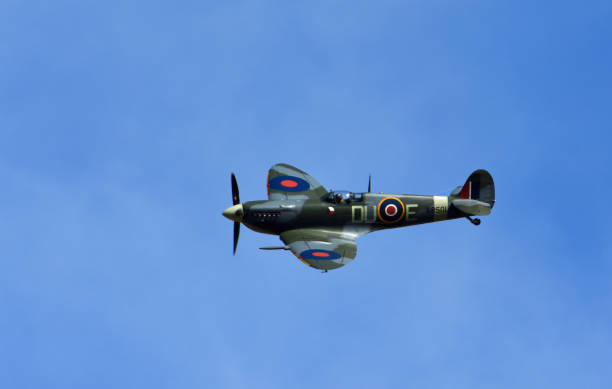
{"points": [[119, 127]]}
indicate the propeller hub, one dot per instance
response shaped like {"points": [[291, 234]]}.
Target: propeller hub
{"points": [[235, 213]]}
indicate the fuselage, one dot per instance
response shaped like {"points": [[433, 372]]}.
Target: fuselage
{"points": [[364, 213]]}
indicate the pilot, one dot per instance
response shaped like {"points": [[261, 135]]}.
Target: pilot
{"points": [[338, 198]]}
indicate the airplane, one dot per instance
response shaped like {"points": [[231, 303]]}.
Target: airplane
{"points": [[320, 227]]}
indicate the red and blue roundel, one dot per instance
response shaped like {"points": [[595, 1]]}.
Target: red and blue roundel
{"points": [[319, 254], [391, 210], [289, 184]]}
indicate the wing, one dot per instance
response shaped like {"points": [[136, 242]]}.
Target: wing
{"points": [[287, 182], [320, 248]]}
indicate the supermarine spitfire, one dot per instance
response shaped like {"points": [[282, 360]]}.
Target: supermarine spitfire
{"points": [[320, 227]]}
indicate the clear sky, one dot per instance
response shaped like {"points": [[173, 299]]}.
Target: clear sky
{"points": [[120, 123]]}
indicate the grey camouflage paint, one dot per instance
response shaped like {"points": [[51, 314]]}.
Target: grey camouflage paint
{"points": [[307, 220]]}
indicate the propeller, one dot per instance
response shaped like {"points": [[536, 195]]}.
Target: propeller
{"points": [[235, 200], [370, 184]]}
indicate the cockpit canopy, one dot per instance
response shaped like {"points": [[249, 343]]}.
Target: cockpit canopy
{"points": [[342, 196]]}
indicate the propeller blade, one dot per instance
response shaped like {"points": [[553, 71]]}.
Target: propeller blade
{"points": [[235, 192], [370, 184], [236, 234], [235, 200]]}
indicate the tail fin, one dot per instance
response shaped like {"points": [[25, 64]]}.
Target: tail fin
{"points": [[477, 196]]}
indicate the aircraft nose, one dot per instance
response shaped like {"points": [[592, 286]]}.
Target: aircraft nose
{"points": [[235, 213]]}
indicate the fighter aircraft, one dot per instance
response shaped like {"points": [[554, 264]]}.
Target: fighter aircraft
{"points": [[320, 227]]}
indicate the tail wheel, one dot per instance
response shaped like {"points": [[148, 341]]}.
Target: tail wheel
{"points": [[475, 221]]}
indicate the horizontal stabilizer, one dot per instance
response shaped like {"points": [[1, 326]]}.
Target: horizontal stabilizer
{"points": [[472, 207]]}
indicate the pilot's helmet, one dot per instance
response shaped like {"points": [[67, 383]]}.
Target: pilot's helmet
{"points": [[338, 197]]}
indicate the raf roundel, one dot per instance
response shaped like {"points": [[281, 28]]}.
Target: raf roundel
{"points": [[289, 184], [319, 254], [391, 210]]}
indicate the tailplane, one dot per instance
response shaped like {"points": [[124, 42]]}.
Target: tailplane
{"points": [[476, 196]]}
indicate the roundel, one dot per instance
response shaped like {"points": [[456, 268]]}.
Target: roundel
{"points": [[391, 210], [288, 184], [319, 254]]}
